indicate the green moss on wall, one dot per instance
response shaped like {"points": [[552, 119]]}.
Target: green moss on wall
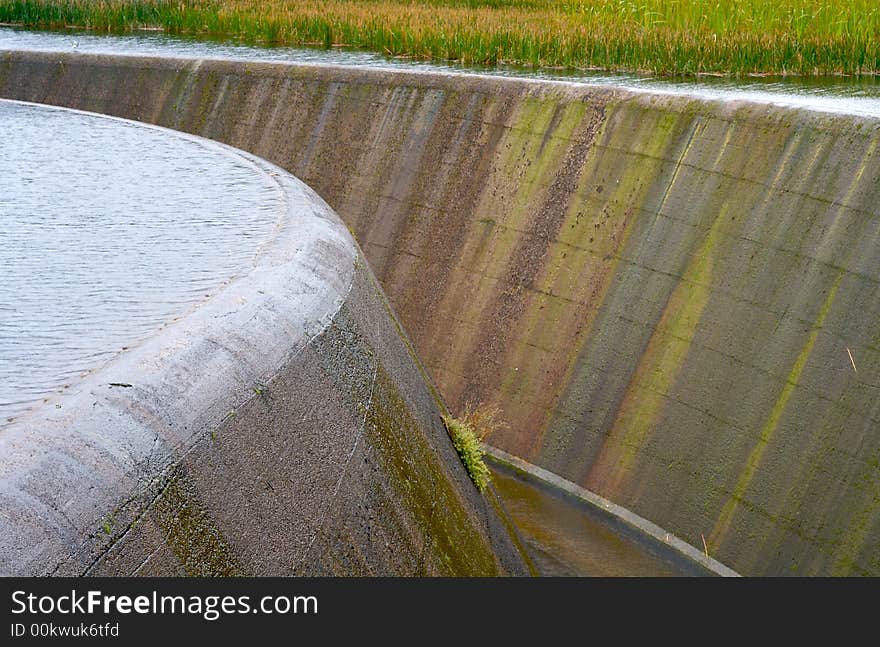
{"points": [[423, 489], [191, 534]]}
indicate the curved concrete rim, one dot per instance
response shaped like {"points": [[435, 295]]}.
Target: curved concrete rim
{"points": [[648, 531], [718, 103], [139, 413], [707, 93], [265, 250]]}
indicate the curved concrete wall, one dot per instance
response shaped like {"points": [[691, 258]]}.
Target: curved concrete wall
{"points": [[284, 427], [661, 293]]}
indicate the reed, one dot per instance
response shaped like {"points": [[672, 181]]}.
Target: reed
{"points": [[670, 37]]}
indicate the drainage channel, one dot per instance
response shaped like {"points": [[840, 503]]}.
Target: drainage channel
{"points": [[569, 532]]}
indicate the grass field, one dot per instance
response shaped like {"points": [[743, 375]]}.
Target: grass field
{"points": [[675, 37]]}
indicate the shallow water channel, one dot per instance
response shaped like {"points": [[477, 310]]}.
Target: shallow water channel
{"points": [[565, 537]]}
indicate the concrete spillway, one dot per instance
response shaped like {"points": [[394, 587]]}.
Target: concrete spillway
{"points": [[283, 426], [675, 302]]}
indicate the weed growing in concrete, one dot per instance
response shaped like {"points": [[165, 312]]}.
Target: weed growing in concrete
{"points": [[107, 523], [468, 434]]}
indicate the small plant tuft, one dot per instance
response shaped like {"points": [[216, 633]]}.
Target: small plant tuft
{"points": [[468, 433], [107, 523]]}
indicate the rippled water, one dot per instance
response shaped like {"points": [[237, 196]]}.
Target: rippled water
{"points": [[108, 230], [858, 96]]}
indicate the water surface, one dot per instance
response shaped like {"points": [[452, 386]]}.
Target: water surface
{"points": [[108, 231]]}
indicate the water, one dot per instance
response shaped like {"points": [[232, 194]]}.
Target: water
{"points": [[565, 537], [857, 96], [109, 230]]}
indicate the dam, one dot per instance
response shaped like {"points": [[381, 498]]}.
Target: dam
{"points": [[673, 299], [267, 416]]}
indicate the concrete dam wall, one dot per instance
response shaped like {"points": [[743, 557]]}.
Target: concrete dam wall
{"points": [[674, 302], [283, 427]]}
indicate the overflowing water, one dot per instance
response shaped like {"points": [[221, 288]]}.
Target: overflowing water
{"points": [[847, 95], [108, 231]]}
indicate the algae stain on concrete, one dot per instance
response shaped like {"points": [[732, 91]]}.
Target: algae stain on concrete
{"points": [[658, 368], [856, 536], [424, 489], [617, 185], [753, 462], [524, 171], [191, 534], [533, 264], [515, 171]]}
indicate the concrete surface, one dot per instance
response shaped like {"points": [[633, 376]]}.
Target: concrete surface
{"points": [[661, 293], [282, 428]]}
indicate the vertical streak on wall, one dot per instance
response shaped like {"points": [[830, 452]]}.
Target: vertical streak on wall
{"points": [[395, 201], [530, 132], [831, 235], [640, 181], [865, 512], [521, 338], [657, 370], [327, 107], [753, 461]]}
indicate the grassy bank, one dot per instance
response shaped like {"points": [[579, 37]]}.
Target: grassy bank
{"points": [[659, 36]]}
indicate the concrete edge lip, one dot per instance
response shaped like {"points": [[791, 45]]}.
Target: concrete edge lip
{"points": [[651, 531], [708, 95], [68, 463]]}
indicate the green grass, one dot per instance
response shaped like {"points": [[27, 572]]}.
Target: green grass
{"points": [[468, 433], [675, 37]]}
